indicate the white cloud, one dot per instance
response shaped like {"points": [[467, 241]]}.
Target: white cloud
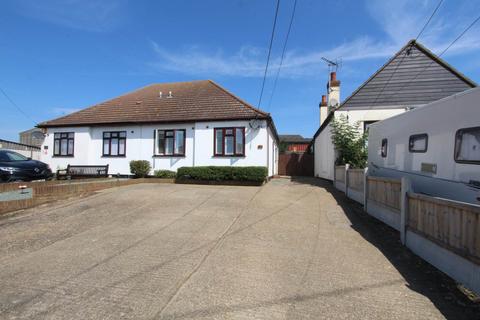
{"points": [[400, 21], [250, 61], [89, 15], [246, 62]]}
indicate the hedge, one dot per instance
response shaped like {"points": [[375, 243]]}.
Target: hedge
{"points": [[165, 174], [223, 173]]}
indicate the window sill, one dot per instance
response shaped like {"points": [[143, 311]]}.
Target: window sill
{"points": [[229, 156], [169, 156], [62, 156], [107, 156]]}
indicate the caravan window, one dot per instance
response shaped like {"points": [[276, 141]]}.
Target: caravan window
{"points": [[467, 145], [384, 148], [418, 143]]}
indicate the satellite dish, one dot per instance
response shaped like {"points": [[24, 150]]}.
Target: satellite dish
{"points": [[333, 102], [255, 124]]}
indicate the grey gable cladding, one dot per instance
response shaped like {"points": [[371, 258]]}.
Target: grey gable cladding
{"points": [[410, 85], [419, 77]]}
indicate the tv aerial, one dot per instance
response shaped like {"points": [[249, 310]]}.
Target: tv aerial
{"points": [[333, 65]]}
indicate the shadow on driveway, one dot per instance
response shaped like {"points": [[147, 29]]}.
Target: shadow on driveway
{"points": [[420, 276]]}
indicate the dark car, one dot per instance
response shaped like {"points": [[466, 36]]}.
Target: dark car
{"points": [[16, 167]]}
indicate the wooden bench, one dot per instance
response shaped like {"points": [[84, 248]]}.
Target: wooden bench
{"points": [[74, 171]]}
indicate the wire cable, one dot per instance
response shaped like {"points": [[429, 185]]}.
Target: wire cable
{"points": [[283, 54], [16, 106], [405, 53], [429, 19], [441, 54], [461, 35], [269, 53]]}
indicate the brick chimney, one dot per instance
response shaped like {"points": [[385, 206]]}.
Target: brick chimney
{"points": [[323, 109], [333, 90], [332, 100]]}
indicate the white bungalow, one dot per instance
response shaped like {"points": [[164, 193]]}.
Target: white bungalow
{"points": [[171, 125]]}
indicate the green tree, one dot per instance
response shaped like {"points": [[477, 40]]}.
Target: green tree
{"points": [[350, 144]]}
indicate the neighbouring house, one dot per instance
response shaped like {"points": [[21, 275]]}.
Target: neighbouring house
{"points": [[293, 143], [32, 137], [412, 78], [24, 149], [171, 125]]}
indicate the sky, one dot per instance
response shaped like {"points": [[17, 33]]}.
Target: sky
{"points": [[57, 57]]}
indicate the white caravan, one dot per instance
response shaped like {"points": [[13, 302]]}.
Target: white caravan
{"points": [[437, 146]]}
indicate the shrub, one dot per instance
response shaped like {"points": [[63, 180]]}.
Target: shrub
{"points": [[222, 173], [140, 168], [165, 174], [350, 144]]}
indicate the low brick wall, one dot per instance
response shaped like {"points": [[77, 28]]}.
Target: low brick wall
{"points": [[221, 182], [48, 191]]}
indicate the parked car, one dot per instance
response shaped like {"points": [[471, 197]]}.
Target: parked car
{"points": [[16, 167]]}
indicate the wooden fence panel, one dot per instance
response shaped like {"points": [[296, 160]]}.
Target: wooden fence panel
{"points": [[453, 225], [385, 191], [355, 179], [295, 164]]}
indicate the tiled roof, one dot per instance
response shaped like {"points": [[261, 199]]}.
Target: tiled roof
{"points": [[202, 100]]}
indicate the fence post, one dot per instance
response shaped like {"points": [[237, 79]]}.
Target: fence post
{"points": [[365, 188], [347, 167], [406, 188]]}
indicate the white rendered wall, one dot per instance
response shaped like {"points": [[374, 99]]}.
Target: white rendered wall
{"points": [[140, 143], [272, 154], [360, 116], [324, 149], [324, 154]]}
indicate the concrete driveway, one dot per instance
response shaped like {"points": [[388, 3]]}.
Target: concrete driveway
{"points": [[287, 250]]}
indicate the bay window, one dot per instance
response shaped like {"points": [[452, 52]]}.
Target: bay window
{"points": [[63, 144], [114, 143], [170, 142], [229, 141]]}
